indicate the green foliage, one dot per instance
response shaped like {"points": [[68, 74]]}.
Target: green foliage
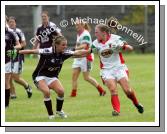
{"points": [[88, 106], [136, 16]]}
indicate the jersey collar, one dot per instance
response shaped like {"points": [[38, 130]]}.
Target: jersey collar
{"points": [[46, 25], [108, 37]]}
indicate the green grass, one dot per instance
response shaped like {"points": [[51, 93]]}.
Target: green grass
{"points": [[88, 106]]}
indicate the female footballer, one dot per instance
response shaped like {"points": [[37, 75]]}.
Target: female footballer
{"points": [[84, 64], [108, 48], [46, 73]]}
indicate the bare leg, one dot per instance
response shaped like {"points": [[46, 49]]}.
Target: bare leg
{"points": [[18, 79], [12, 89], [75, 75], [58, 88], [93, 82], [130, 94], [47, 100]]}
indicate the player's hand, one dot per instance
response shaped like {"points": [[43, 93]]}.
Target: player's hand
{"points": [[12, 53]]}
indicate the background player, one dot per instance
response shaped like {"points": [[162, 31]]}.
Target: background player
{"points": [[18, 62], [45, 32], [84, 64], [11, 44]]}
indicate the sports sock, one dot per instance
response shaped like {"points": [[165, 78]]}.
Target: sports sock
{"points": [[48, 105], [7, 96], [115, 102], [74, 92], [59, 104], [100, 89]]}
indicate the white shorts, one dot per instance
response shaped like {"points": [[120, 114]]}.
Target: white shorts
{"points": [[126, 69], [125, 66], [83, 64], [8, 67], [48, 80], [18, 67], [115, 73]]}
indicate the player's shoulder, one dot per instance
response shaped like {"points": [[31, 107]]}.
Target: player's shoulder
{"points": [[18, 30], [115, 36], [12, 33], [39, 26], [10, 30], [95, 42], [86, 33], [51, 24]]}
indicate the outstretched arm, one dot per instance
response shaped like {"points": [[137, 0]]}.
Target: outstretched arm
{"points": [[81, 46], [127, 47], [29, 51], [81, 53], [37, 51]]}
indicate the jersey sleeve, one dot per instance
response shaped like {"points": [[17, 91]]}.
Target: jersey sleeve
{"points": [[122, 39], [16, 37], [22, 35], [86, 39], [94, 48], [45, 51], [117, 44], [67, 54], [55, 29]]}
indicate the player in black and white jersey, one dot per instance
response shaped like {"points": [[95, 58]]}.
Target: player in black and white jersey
{"points": [[18, 62], [11, 44], [46, 73], [45, 32]]}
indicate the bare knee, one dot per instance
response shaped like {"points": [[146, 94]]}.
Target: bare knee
{"points": [[112, 87], [113, 91], [46, 94], [7, 80], [60, 92], [86, 78], [15, 77]]}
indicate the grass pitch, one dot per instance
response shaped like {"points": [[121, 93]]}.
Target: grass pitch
{"points": [[88, 106]]}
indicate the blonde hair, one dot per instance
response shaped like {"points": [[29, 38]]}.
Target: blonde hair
{"points": [[104, 28], [87, 26], [57, 40], [84, 24]]}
